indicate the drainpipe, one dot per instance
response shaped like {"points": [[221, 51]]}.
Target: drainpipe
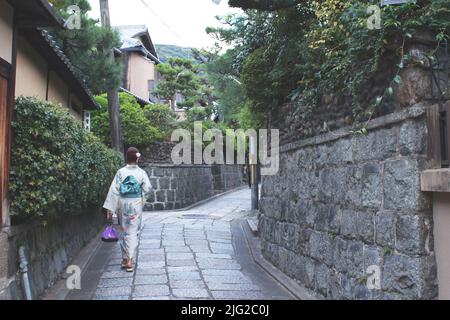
{"points": [[24, 272]]}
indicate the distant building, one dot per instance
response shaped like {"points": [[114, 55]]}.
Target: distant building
{"points": [[140, 59]]}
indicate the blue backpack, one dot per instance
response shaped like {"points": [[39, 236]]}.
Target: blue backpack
{"points": [[130, 188]]}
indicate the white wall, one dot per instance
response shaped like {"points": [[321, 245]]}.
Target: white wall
{"points": [[6, 30]]}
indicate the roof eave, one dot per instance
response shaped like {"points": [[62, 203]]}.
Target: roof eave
{"points": [[139, 99], [144, 51], [36, 13], [146, 34], [53, 15]]}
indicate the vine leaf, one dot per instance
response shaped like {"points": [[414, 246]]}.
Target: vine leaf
{"points": [[390, 91], [364, 131], [379, 100]]}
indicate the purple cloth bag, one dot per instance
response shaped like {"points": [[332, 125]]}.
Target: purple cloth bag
{"points": [[109, 235]]}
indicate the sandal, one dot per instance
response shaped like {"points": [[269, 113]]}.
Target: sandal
{"points": [[124, 263], [129, 266]]}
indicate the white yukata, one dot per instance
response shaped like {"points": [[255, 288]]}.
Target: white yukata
{"points": [[129, 210]]}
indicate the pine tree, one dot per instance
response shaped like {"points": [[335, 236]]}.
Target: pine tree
{"points": [[179, 76], [86, 48]]}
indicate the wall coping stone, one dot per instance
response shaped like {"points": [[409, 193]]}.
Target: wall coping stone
{"points": [[36, 222], [435, 180], [416, 111]]}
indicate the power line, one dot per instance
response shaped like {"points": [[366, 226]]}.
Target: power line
{"points": [[161, 19]]}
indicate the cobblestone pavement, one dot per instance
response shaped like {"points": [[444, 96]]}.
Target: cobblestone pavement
{"points": [[187, 255]]}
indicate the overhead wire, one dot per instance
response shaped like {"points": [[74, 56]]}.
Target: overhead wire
{"points": [[162, 20]]}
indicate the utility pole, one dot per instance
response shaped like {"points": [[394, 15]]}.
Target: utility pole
{"points": [[113, 94], [253, 161]]}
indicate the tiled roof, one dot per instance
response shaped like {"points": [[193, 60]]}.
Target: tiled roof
{"points": [[130, 31], [139, 99], [130, 41]]}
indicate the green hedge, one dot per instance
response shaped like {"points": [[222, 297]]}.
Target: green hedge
{"points": [[56, 166], [161, 117], [137, 131]]}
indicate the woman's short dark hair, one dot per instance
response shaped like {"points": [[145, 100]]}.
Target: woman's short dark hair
{"points": [[132, 154]]}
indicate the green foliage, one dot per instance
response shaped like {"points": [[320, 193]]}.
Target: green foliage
{"points": [[323, 50], [260, 58], [178, 76], [161, 117], [198, 114], [57, 166], [232, 103], [203, 115], [136, 129], [249, 119], [437, 16], [260, 83], [86, 48]]}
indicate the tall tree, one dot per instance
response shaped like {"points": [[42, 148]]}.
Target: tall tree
{"points": [[85, 48], [90, 48], [230, 97], [179, 76], [113, 93]]}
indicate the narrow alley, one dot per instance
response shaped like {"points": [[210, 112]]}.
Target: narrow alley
{"points": [[190, 254]]}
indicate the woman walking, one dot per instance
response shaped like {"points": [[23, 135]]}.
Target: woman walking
{"points": [[126, 198]]}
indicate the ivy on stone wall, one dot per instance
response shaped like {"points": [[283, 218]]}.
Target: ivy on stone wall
{"points": [[332, 52], [56, 166]]}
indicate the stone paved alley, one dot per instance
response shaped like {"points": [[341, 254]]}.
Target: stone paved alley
{"points": [[191, 254]]}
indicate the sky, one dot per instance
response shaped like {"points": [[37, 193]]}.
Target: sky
{"points": [[176, 22]]}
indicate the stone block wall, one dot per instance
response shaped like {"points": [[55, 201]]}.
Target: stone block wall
{"points": [[157, 152], [343, 203], [50, 247], [226, 177], [176, 187]]}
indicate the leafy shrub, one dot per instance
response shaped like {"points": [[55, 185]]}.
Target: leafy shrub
{"points": [[57, 166], [136, 129], [198, 114], [260, 82], [161, 117], [248, 118], [178, 76], [321, 51]]}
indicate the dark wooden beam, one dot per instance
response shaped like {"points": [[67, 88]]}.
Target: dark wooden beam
{"points": [[434, 137], [5, 68]]}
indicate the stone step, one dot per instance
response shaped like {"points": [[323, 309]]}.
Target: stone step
{"points": [[253, 224]]}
